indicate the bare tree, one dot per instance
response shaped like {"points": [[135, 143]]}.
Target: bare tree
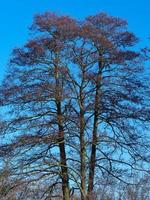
{"points": [[76, 106]]}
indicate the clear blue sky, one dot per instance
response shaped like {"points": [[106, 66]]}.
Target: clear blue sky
{"points": [[16, 16]]}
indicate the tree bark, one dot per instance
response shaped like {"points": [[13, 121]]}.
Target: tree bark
{"points": [[94, 138], [93, 156], [61, 140], [83, 157], [63, 162], [82, 141]]}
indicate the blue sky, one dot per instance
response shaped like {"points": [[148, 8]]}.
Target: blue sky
{"points": [[16, 16]]}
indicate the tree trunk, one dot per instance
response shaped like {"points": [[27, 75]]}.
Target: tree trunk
{"points": [[82, 143], [61, 140], [83, 157], [93, 157], [94, 138]]}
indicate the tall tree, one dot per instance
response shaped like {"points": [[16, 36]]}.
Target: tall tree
{"points": [[117, 89], [36, 88], [76, 105]]}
